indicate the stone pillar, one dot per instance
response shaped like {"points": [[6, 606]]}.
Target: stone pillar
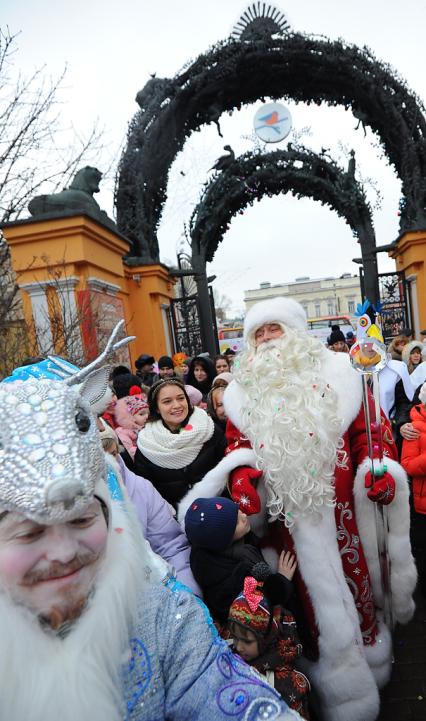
{"points": [[43, 341], [66, 295]]}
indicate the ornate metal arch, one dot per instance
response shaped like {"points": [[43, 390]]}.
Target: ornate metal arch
{"points": [[305, 68], [254, 175], [297, 170]]}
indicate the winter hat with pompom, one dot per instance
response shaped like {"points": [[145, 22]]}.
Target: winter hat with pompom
{"points": [[128, 406]]}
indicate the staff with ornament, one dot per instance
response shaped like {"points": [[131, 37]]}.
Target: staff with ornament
{"points": [[369, 356]]}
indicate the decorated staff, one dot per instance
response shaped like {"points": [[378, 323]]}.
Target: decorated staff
{"points": [[369, 356]]}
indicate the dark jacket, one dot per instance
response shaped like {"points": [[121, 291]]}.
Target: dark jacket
{"points": [[401, 415], [173, 484], [221, 574], [402, 406]]}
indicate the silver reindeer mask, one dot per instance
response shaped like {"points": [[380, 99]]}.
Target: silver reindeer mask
{"points": [[51, 456]]}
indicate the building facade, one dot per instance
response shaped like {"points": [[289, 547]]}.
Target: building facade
{"points": [[319, 296], [75, 287]]}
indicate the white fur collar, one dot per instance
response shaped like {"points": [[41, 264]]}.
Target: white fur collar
{"points": [[78, 677], [337, 372]]}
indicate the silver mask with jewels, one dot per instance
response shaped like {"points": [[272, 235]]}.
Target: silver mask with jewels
{"points": [[51, 455]]}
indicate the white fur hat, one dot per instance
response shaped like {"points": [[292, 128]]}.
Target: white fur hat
{"points": [[422, 394], [281, 310]]}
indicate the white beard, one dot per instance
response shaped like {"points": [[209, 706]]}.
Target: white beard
{"points": [[291, 420], [76, 678]]}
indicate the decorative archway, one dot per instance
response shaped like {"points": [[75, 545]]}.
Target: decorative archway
{"points": [[253, 176], [265, 60]]}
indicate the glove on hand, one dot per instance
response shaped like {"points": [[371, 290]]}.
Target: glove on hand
{"points": [[382, 490], [243, 490]]}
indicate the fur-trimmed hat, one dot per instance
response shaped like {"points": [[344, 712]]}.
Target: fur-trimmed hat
{"points": [[222, 380], [409, 347], [275, 310]]}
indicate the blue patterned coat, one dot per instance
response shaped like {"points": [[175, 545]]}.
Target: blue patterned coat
{"points": [[180, 670]]}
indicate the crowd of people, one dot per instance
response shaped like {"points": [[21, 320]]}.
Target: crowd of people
{"points": [[196, 537]]}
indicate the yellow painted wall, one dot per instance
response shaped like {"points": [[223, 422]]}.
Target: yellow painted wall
{"points": [[79, 247], [146, 295], [410, 257]]}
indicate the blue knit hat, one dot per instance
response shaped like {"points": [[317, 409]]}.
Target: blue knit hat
{"points": [[211, 522]]}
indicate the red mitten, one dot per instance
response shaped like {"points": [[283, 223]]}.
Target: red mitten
{"points": [[382, 490], [242, 489]]}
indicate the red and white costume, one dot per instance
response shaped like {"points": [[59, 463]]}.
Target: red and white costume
{"points": [[338, 579]]}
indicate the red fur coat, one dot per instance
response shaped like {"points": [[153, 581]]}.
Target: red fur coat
{"points": [[338, 568]]}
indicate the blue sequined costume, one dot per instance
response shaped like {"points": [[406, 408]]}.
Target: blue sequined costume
{"points": [[180, 670]]}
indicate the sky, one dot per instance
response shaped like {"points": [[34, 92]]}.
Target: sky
{"points": [[111, 48]]}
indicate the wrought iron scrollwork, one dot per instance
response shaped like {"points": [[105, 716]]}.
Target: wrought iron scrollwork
{"points": [[306, 68], [297, 170], [393, 299]]}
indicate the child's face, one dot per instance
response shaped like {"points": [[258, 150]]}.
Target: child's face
{"points": [[245, 644], [242, 527], [140, 417], [219, 408], [113, 449]]}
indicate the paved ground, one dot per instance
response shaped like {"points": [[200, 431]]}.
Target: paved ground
{"points": [[404, 698]]}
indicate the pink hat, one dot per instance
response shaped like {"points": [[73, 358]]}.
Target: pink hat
{"points": [[127, 407], [194, 395]]}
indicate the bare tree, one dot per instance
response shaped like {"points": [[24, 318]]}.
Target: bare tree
{"points": [[38, 154], [74, 327], [35, 148], [13, 332], [222, 304]]}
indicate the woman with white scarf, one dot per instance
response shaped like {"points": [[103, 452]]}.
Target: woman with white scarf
{"points": [[179, 443]]}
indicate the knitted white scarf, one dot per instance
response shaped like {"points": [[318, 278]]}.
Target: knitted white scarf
{"points": [[175, 450]]}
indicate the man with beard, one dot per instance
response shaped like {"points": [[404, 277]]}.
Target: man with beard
{"points": [[297, 458], [87, 630]]}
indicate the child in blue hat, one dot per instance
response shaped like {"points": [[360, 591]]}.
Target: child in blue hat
{"points": [[224, 551]]}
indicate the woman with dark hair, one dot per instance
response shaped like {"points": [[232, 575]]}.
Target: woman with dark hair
{"points": [[201, 374], [221, 364], [179, 443]]}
